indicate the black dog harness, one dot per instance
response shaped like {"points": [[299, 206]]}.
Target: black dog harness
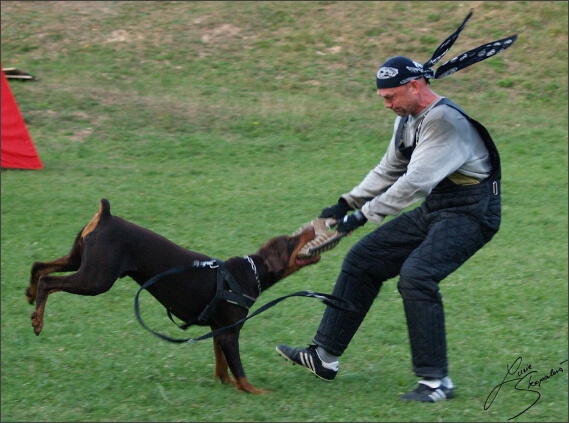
{"points": [[234, 294]]}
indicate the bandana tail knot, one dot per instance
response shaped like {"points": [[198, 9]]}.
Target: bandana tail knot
{"points": [[467, 58]]}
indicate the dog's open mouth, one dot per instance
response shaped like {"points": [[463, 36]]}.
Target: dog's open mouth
{"points": [[307, 235], [305, 261], [325, 238]]}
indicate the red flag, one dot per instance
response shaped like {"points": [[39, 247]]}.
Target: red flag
{"points": [[18, 150]]}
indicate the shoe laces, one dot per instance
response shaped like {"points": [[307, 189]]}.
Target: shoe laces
{"points": [[424, 389]]}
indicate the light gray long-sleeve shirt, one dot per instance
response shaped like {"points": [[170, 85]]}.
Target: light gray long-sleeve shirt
{"points": [[447, 145]]}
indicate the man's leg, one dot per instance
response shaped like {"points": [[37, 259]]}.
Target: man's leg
{"points": [[375, 258], [451, 241]]}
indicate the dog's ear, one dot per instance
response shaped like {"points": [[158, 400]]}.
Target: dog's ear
{"points": [[275, 255], [276, 263]]}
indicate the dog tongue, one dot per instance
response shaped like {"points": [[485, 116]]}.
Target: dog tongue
{"points": [[305, 261]]}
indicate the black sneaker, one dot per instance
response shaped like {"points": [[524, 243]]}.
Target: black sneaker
{"points": [[309, 358], [431, 391]]}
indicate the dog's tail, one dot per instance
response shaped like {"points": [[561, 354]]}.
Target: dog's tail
{"points": [[103, 214], [104, 209]]}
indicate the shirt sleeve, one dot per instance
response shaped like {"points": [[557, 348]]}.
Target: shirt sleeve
{"points": [[391, 167]]}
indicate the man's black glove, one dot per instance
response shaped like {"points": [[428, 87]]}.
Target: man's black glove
{"points": [[337, 211], [351, 222]]}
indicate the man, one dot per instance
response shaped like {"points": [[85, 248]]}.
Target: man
{"points": [[439, 154]]}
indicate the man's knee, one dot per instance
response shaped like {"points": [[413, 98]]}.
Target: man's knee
{"points": [[362, 263], [417, 286], [353, 261]]}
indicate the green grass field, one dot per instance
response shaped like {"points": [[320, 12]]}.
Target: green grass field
{"points": [[222, 124]]}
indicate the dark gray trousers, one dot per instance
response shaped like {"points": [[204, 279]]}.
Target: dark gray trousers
{"points": [[422, 246]]}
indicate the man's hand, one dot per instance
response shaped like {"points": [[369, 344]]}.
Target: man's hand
{"points": [[351, 222], [337, 211]]}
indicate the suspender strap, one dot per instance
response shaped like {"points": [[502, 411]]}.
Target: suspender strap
{"points": [[496, 174], [485, 135], [406, 151]]}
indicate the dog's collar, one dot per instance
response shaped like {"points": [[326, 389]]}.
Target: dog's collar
{"points": [[256, 273]]}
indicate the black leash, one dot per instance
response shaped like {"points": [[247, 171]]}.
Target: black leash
{"points": [[329, 300]]}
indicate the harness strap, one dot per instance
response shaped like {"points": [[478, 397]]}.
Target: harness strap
{"points": [[325, 298], [329, 300], [234, 295]]}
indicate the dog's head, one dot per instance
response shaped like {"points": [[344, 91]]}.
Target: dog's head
{"points": [[280, 254]]}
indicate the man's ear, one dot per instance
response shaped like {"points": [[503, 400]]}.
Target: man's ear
{"points": [[415, 85]]}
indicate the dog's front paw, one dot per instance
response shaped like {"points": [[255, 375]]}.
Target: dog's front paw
{"points": [[244, 385]]}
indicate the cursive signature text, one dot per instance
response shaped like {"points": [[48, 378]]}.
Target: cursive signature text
{"points": [[524, 378]]}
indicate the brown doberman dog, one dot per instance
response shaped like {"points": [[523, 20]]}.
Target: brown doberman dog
{"points": [[110, 247]]}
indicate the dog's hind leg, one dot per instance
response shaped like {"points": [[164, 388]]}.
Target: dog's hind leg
{"points": [[68, 263], [87, 281]]}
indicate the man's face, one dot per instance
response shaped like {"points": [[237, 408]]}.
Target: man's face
{"points": [[402, 100]]}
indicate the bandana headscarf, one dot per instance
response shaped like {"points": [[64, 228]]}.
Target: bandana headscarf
{"points": [[400, 70]]}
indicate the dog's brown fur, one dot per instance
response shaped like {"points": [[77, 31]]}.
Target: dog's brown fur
{"points": [[109, 247]]}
